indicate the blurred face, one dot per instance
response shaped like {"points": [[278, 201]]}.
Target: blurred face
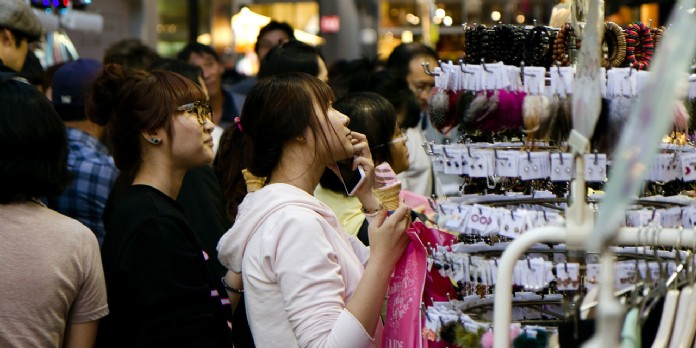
{"points": [[212, 71], [192, 143], [11, 55], [418, 81], [399, 151], [335, 127], [269, 40]]}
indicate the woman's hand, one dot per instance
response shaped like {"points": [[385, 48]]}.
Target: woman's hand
{"points": [[363, 158], [388, 238]]}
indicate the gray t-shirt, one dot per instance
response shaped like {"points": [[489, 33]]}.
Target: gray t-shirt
{"points": [[50, 276]]}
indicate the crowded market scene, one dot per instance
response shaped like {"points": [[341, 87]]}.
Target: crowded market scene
{"points": [[348, 173]]}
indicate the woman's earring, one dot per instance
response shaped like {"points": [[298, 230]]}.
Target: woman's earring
{"points": [[302, 140], [155, 141]]}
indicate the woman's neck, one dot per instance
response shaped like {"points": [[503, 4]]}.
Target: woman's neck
{"points": [[299, 168], [160, 175]]}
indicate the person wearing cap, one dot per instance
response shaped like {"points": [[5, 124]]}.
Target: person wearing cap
{"points": [[18, 27], [89, 161]]}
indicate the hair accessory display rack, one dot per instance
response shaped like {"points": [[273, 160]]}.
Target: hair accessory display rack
{"points": [[580, 232]]}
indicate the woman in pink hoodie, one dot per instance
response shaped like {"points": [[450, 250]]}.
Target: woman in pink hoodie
{"points": [[306, 282]]}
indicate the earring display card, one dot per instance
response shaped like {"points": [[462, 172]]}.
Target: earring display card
{"points": [[592, 275], [621, 82], [534, 80], [481, 164], [515, 223], [562, 167], [473, 78], [507, 163], [562, 80], [688, 166], [534, 165], [453, 161], [665, 167], [567, 276], [495, 77], [596, 167]]}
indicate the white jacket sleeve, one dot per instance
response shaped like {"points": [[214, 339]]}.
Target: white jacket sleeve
{"points": [[307, 270]]}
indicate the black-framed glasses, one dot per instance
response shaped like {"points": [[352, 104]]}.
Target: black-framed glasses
{"points": [[402, 139], [202, 109]]}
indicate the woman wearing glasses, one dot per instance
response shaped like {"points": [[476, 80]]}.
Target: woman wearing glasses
{"points": [[160, 287], [372, 115]]}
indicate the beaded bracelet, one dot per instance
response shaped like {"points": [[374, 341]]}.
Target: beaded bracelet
{"points": [[510, 42], [639, 46], [563, 44], [477, 44], [537, 46], [657, 34], [616, 45]]}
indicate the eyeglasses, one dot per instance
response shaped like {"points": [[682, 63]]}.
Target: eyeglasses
{"points": [[402, 139], [202, 109], [421, 89]]}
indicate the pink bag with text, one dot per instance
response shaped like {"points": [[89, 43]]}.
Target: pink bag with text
{"points": [[410, 284]]}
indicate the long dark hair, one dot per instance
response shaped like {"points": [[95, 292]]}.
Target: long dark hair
{"points": [[372, 115], [277, 110]]}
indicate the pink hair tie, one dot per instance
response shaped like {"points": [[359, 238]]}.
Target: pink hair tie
{"points": [[238, 122]]}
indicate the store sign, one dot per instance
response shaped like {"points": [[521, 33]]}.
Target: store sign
{"points": [[329, 24]]}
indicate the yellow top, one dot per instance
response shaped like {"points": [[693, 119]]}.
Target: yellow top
{"points": [[347, 209]]}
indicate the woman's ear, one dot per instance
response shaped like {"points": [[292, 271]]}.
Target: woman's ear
{"points": [[152, 137]]}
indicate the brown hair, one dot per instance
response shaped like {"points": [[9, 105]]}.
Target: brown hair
{"points": [[277, 109], [128, 102]]}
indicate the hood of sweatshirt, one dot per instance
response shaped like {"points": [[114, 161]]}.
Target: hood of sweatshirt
{"points": [[253, 212]]}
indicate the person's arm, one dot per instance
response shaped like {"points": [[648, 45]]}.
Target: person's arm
{"points": [[312, 267], [80, 335], [233, 283], [388, 241]]}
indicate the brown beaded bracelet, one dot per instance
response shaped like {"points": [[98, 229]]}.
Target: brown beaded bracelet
{"points": [[616, 45], [562, 45]]}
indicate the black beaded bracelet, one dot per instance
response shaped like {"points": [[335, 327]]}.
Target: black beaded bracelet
{"points": [[229, 288], [537, 46]]}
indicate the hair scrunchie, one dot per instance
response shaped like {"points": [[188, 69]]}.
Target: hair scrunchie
{"points": [[616, 45], [639, 46]]}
